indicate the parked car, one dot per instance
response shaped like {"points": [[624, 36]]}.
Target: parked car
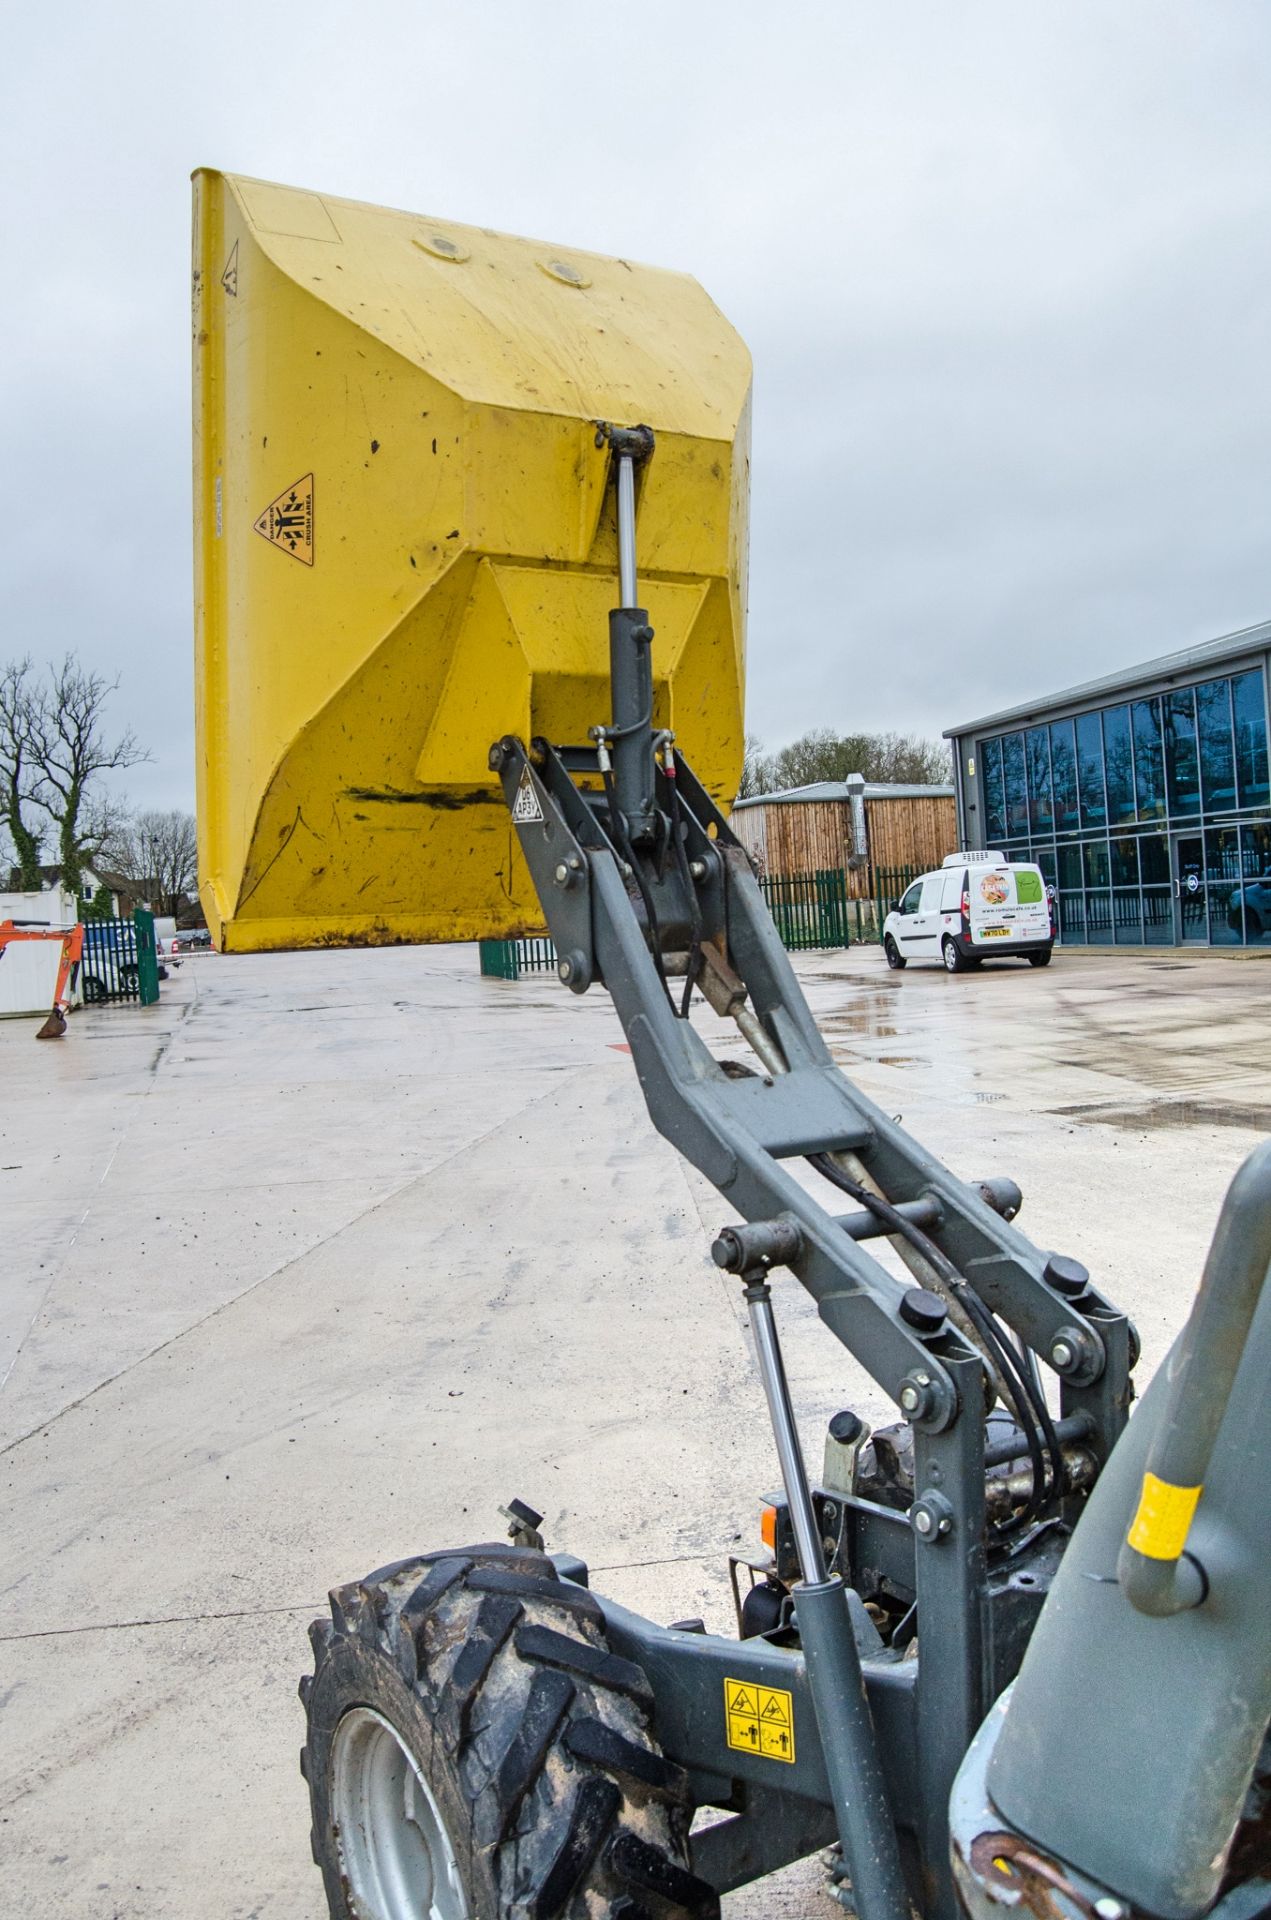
{"points": [[192, 938], [977, 906], [1256, 895]]}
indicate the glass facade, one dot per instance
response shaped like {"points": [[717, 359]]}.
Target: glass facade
{"points": [[1150, 818]]}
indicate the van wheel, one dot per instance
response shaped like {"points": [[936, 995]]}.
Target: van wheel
{"points": [[955, 961], [1040, 959], [895, 958]]}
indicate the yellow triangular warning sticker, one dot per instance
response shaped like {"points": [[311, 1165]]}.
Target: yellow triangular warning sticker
{"points": [[743, 1701], [287, 522], [776, 1708]]}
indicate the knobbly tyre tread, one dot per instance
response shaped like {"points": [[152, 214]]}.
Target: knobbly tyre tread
{"points": [[534, 1738]]}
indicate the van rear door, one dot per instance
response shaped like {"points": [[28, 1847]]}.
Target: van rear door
{"points": [[1008, 907]]}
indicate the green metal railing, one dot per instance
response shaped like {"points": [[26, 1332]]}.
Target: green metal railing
{"points": [[889, 885], [810, 909], [120, 960], [509, 959]]}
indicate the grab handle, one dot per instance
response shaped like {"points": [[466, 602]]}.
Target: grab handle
{"points": [[1156, 1574]]}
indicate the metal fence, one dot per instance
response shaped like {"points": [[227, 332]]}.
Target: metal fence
{"points": [[120, 960], [810, 909], [509, 959], [889, 885]]}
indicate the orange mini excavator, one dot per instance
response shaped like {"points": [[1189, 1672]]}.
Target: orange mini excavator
{"points": [[72, 939]]}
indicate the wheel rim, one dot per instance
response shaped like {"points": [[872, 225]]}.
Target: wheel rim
{"points": [[395, 1853], [950, 956]]}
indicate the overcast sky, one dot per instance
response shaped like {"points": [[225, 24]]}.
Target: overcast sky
{"points": [[1004, 268]]}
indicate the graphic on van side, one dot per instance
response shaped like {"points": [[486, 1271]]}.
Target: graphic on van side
{"points": [[1028, 888], [995, 888]]}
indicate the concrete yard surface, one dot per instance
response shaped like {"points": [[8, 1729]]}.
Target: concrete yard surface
{"points": [[319, 1261]]}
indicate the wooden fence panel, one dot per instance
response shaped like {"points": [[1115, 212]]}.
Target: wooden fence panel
{"points": [[913, 833]]}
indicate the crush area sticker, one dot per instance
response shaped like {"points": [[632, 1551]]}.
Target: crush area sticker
{"points": [[759, 1719], [287, 522]]}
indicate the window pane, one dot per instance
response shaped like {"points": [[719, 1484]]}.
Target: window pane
{"points": [[1063, 771], [1041, 818], [1149, 761], [1014, 783], [1094, 810], [1125, 861], [1099, 919], [1072, 917], [1217, 767], [1181, 766], [1222, 875], [1096, 858], [1154, 869], [1158, 916], [1118, 764], [1255, 862], [1127, 917], [1249, 710], [1069, 864], [994, 798]]}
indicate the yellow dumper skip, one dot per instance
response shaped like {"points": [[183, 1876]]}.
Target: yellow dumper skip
{"points": [[405, 546]]}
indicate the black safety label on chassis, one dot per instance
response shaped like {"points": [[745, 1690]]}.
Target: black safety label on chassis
{"points": [[287, 522], [760, 1719]]}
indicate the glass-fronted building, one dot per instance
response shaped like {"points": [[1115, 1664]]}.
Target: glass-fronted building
{"points": [[1144, 797]]}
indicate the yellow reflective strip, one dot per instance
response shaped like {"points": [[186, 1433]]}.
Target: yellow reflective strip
{"points": [[1165, 1513]]}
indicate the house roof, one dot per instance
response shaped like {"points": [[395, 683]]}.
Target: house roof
{"points": [[839, 790], [1189, 663]]}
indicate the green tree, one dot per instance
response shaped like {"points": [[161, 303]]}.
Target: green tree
{"points": [[902, 759]]}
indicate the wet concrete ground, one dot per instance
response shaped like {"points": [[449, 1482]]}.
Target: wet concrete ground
{"points": [[319, 1261]]}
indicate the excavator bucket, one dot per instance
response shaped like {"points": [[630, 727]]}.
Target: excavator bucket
{"points": [[406, 547]]}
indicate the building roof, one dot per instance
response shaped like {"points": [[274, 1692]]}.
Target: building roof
{"points": [[839, 790], [1187, 664]]}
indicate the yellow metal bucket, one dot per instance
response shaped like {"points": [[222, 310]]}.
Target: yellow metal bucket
{"points": [[405, 546]]}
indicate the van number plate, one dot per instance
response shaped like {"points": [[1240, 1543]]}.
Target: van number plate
{"points": [[995, 933]]}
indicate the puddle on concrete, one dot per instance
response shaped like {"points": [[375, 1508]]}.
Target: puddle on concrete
{"points": [[1173, 1113]]}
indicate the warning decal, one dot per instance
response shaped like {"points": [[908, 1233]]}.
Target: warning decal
{"points": [[760, 1719], [525, 808], [287, 522], [229, 279]]}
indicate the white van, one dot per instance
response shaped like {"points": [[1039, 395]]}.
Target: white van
{"points": [[977, 907]]}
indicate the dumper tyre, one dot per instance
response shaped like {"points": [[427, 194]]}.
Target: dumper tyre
{"points": [[475, 1752]]}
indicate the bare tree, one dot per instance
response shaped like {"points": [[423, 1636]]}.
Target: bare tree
{"points": [[756, 769], [157, 853], [22, 828], [69, 752]]}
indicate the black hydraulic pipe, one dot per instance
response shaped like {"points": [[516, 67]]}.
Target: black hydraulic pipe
{"points": [[866, 1830]]}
